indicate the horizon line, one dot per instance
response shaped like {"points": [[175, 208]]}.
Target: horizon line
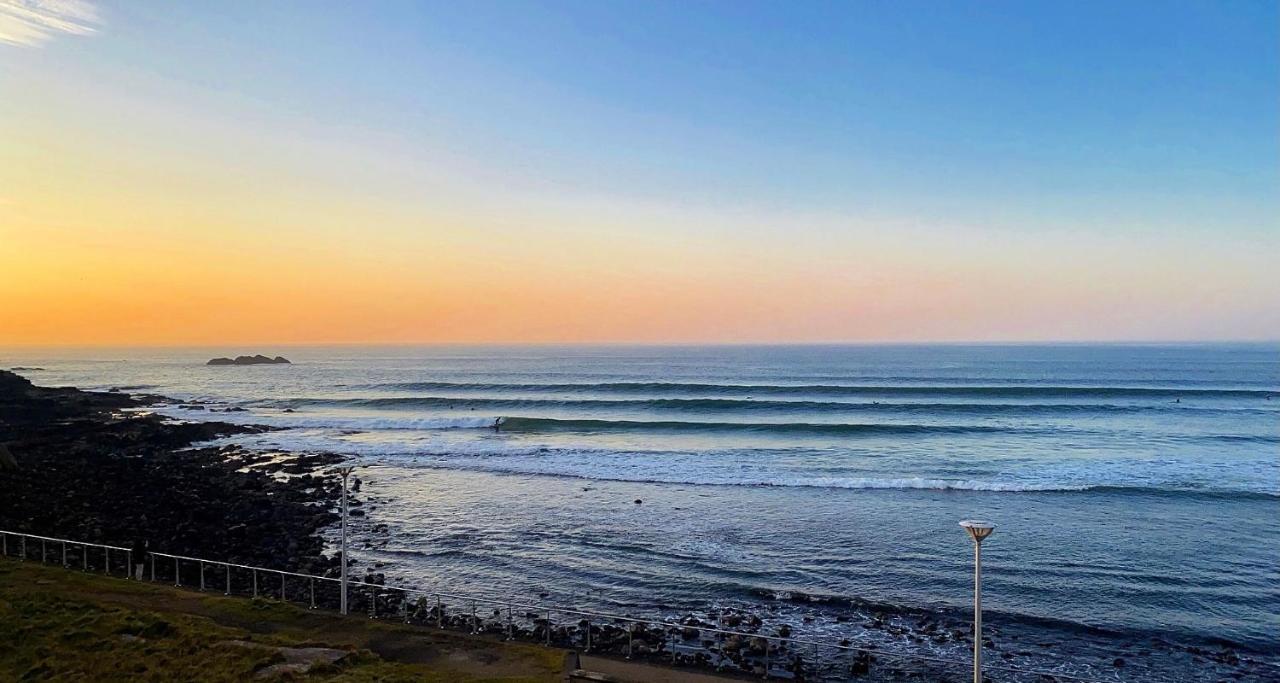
{"points": [[974, 342]]}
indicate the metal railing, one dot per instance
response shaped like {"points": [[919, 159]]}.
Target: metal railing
{"points": [[656, 640]]}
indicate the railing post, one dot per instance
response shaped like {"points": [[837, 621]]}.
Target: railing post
{"points": [[588, 647], [282, 596], [548, 628], [673, 648], [84, 556], [474, 626], [153, 568], [106, 560], [439, 613], [510, 625], [64, 554], [24, 548], [631, 636], [128, 564], [4, 543], [255, 583], [44, 552], [373, 602], [177, 573], [313, 592], [342, 599], [202, 575], [228, 567]]}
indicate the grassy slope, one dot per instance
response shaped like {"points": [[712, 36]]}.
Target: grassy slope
{"points": [[57, 624]]}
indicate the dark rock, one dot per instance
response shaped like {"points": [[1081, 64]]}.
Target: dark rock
{"points": [[7, 461], [249, 360], [861, 665], [91, 472]]}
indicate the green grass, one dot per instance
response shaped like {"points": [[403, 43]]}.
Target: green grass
{"points": [[59, 624]]}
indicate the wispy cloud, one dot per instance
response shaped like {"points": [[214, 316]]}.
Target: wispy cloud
{"points": [[33, 22]]}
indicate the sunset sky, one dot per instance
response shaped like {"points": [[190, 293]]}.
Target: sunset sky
{"points": [[244, 172]]}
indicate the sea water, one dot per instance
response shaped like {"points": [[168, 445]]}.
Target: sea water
{"points": [[1136, 488]]}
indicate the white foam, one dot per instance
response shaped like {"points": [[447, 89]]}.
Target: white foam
{"points": [[720, 468], [394, 439], [316, 421], [930, 484]]}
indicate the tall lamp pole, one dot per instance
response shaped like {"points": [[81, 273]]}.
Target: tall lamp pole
{"points": [[346, 472], [978, 530]]}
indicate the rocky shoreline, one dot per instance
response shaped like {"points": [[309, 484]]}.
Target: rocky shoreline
{"points": [[881, 642], [96, 466]]}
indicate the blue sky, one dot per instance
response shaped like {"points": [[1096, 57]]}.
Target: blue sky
{"points": [[1153, 121], [1153, 109]]}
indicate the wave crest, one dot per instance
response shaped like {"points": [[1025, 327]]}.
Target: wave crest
{"points": [[687, 388]]}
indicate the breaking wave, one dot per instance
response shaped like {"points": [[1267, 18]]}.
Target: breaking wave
{"points": [[688, 388], [733, 405]]}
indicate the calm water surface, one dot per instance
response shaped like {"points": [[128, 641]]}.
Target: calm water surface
{"points": [[1136, 488]]}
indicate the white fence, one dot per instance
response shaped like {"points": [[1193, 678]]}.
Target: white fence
{"points": [[674, 643]]}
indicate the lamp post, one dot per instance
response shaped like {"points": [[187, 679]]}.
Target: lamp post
{"points": [[978, 530], [346, 472]]}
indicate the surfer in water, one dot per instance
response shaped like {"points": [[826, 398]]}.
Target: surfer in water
{"points": [[497, 424]]}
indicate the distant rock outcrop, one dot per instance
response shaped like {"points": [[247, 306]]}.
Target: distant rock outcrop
{"points": [[249, 360]]}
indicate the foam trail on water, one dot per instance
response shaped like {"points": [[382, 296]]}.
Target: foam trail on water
{"points": [[311, 421], [732, 467]]}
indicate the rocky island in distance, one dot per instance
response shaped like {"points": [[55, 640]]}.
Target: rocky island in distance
{"points": [[249, 360]]}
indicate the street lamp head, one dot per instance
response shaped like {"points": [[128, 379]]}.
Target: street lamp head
{"points": [[978, 529]]}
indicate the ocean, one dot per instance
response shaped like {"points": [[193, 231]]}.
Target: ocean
{"points": [[1136, 488]]}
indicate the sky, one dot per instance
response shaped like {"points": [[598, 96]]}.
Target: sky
{"points": [[666, 172]]}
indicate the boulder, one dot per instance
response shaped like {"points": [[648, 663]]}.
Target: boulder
{"points": [[297, 661], [7, 461]]}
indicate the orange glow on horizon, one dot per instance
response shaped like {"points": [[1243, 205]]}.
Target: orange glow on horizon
{"points": [[150, 222]]}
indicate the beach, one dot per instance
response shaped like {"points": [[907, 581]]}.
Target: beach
{"points": [[1134, 487]]}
